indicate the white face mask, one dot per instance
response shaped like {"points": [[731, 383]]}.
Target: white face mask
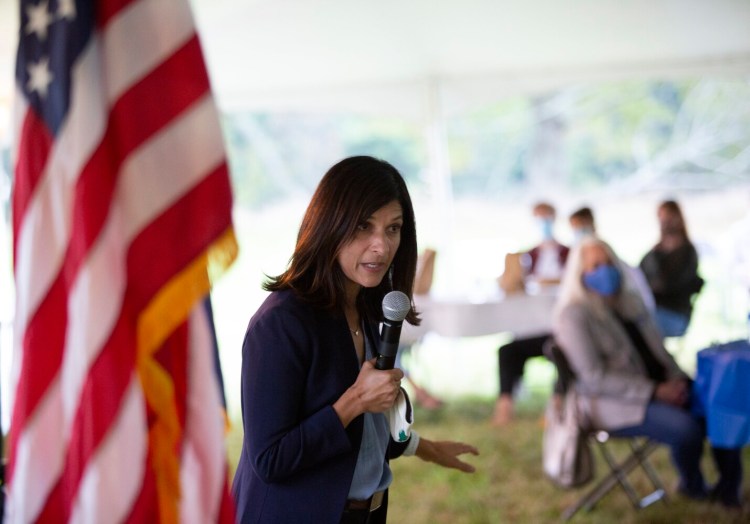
{"points": [[581, 233], [545, 227]]}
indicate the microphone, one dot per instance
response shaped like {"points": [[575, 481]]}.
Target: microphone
{"points": [[396, 306]]}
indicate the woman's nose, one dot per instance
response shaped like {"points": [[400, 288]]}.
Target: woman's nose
{"points": [[378, 242]]}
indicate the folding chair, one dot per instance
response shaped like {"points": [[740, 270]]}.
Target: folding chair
{"points": [[619, 469]]}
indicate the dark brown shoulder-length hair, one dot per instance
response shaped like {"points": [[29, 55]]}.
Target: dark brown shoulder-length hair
{"points": [[674, 209], [347, 195]]}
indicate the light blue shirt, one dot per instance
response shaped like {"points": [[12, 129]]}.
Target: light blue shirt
{"points": [[372, 473]]}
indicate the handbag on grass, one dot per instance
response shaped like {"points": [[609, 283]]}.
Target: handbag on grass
{"points": [[567, 458]]}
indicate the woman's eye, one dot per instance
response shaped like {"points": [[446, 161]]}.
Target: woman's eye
{"points": [[362, 226], [395, 228]]}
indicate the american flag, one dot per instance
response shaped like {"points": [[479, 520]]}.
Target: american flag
{"points": [[121, 221]]}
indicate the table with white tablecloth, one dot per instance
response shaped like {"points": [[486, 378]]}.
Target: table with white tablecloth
{"points": [[520, 314]]}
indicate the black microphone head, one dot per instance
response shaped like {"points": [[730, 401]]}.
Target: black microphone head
{"points": [[396, 305]]}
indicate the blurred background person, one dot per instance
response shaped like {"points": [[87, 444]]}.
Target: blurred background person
{"points": [[582, 224], [671, 269], [630, 384], [542, 267]]}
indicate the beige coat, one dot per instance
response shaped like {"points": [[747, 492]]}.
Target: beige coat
{"points": [[610, 373]]}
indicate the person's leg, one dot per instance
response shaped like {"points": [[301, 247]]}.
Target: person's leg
{"points": [[421, 396], [729, 464], [670, 323], [683, 433], [512, 359]]}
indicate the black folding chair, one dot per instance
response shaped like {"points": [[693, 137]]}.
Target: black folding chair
{"points": [[619, 468]]}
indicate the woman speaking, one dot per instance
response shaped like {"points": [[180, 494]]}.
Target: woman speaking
{"points": [[317, 440]]}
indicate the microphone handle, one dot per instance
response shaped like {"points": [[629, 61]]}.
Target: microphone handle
{"points": [[389, 336], [384, 362]]}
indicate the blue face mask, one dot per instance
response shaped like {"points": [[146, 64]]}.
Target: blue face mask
{"points": [[604, 280]]}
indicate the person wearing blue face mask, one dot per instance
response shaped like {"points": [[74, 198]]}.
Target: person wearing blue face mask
{"points": [[582, 224], [604, 280], [630, 384]]}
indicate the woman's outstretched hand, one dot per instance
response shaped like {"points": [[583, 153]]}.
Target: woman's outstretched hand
{"points": [[445, 453]]}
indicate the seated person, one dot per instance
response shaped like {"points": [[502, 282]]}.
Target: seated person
{"points": [[543, 265], [671, 269], [631, 385], [582, 223]]}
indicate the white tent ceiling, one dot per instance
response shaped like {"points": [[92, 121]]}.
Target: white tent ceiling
{"points": [[383, 55]]}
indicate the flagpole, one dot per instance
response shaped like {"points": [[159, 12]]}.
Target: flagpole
{"points": [[7, 295]]}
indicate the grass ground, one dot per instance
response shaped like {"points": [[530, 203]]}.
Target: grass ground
{"points": [[509, 486]]}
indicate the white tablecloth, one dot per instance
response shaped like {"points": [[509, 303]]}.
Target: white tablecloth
{"points": [[522, 315]]}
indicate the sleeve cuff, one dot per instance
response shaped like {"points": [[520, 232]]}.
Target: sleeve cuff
{"points": [[411, 447]]}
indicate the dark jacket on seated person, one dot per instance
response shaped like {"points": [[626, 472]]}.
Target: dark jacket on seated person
{"points": [[673, 277]]}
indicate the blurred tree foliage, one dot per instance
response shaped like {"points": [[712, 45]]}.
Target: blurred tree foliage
{"points": [[638, 134], [688, 133], [273, 156]]}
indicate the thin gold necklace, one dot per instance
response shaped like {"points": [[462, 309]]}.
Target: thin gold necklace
{"points": [[354, 332]]}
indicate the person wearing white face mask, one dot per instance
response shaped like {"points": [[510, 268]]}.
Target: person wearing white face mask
{"points": [[628, 382], [542, 268], [546, 261], [582, 223]]}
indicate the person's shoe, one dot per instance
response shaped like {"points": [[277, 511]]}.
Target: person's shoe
{"points": [[691, 494], [729, 498]]}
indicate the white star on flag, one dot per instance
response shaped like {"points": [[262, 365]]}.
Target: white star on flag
{"points": [[40, 77], [39, 20], [66, 9]]}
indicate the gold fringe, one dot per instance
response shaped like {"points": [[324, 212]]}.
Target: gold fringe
{"points": [[167, 310]]}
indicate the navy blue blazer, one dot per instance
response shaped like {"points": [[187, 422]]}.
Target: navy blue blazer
{"points": [[297, 459]]}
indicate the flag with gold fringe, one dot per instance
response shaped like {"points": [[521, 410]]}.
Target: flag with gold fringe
{"points": [[121, 221]]}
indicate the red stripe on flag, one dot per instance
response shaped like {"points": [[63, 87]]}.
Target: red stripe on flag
{"points": [[129, 127], [172, 357], [40, 362], [227, 513], [147, 500], [107, 9], [34, 145]]}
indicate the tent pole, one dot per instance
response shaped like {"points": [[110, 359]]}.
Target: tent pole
{"points": [[439, 176]]}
